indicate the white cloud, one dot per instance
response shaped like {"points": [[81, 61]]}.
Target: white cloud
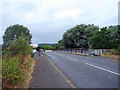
{"points": [[36, 17], [29, 16], [53, 16], [73, 13]]}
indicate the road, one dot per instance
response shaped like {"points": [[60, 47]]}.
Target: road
{"points": [[86, 72], [45, 75]]}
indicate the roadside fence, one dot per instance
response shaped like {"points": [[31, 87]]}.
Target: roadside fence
{"points": [[90, 52]]}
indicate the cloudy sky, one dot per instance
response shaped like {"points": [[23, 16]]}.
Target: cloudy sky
{"points": [[47, 20]]}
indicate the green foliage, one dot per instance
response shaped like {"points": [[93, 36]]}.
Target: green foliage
{"points": [[60, 44], [11, 71], [48, 46], [55, 46], [14, 71], [78, 36], [106, 38], [15, 65], [13, 32], [20, 46], [89, 36], [5, 53]]}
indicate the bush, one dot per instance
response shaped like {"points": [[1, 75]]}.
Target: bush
{"points": [[20, 46], [12, 72], [15, 70], [5, 54], [16, 63]]}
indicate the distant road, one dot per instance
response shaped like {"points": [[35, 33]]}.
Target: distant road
{"points": [[86, 72]]}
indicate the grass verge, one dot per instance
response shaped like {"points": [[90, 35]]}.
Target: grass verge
{"points": [[16, 71], [109, 55]]}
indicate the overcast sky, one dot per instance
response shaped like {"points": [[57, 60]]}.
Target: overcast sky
{"points": [[47, 20]]}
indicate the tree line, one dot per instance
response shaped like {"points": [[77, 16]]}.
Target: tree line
{"points": [[79, 36], [91, 36]]}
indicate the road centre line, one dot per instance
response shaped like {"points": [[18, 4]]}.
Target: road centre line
{"points": [[68, 57], [72, 58], [94, 66], [103, 69]]}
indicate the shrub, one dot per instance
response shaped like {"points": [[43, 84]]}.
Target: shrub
{"points": [[5, 54], [15, 71], [12, 72], [20, 46], [16, 63]]}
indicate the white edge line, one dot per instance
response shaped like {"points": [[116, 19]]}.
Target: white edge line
{"points": [[103, 69]]}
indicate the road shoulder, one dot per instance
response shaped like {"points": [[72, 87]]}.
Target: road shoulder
{"points": [[46, 76]]}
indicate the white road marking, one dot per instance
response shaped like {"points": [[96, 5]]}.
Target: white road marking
{"points": [[103, 69], [72, 58], [68, 57], [94, 66]]}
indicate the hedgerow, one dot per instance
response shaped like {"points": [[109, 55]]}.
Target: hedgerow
{"points": [[16, 63]]}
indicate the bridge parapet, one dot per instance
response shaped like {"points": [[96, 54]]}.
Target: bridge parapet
{"points": [[90, 52]]}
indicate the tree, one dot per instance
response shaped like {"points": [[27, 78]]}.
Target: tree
{"points": [[78, 36], [105, 39], [86, 36], [60, 44], [13, 32], [20, 46]]}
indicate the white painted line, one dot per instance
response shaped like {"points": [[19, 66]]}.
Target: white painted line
{"points": [[72, 58], [68, 57], [94, 66], [103, 69]]}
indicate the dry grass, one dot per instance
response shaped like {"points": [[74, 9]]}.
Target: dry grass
{"points": [[30, 72], [109, 55], [30, 68]]}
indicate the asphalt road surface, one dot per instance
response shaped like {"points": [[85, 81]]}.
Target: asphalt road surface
{"points": [[45, 75], [86, 72]]}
